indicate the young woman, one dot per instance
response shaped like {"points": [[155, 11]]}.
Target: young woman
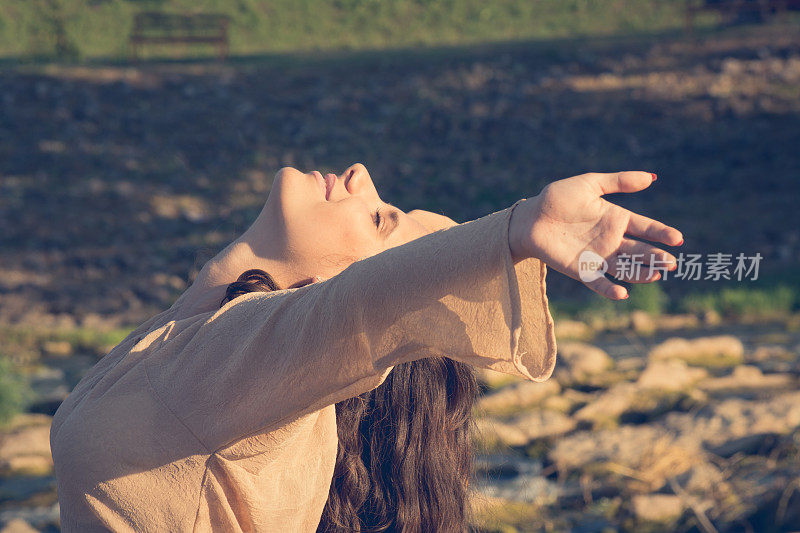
{"points": [[332, 389]]}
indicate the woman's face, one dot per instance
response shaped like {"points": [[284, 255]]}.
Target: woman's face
{"points": [[331, 221]]}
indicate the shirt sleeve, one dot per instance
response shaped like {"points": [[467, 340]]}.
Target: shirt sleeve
{"points": [[265, 359]]}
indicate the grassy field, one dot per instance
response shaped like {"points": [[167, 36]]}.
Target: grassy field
{"points": [[99, 28]]}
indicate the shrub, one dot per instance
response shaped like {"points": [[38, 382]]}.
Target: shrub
{"points": [[15, 392], [648, 297]]}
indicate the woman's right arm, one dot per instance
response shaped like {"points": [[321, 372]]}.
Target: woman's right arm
{"points": [[474, 292], [265, 359]]}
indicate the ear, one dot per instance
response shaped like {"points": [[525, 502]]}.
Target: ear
{"points": [[432, 221]]}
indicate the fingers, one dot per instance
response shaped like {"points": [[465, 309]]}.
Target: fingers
{"points": [[643, 227], [629, 181], [606, 288], [637, 258]]}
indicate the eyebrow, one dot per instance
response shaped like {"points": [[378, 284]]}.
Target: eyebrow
{"points": [[395, 222]]}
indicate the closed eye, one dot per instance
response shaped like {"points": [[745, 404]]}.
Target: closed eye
{"points": [[378, 218]]}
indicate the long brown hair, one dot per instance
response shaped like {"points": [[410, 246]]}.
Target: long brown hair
{"points": [[404, 458]]}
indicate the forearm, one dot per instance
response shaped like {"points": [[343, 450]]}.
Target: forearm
{"points": [[276, 356]]}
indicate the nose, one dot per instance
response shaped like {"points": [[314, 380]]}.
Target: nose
{"points": [[357, 180]]}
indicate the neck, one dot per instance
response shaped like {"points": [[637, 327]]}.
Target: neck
{"points": [[254, 249]]}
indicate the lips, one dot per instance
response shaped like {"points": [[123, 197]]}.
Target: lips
{"points": [[322, 185], [326, 183], [330, 181]]}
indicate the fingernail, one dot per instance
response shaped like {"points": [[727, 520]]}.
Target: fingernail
{"points": [[679, 243], [654, 176], [658, 276], [626, 296]]}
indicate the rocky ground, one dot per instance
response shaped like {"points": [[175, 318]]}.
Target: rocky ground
{"points": [[118, 182], [691, 429], [685, 428]]}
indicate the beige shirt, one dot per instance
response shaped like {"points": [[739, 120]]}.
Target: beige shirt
{"points": [[225, 420]]}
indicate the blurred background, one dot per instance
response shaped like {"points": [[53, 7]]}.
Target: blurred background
{"points": [[138, 138]]}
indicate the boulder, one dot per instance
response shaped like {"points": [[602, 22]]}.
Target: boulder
{"points": [[577, 361], [523, 429], [747, 377], [57, 349], [25, 449], [609, 404], [518, 396], [716, 351], [17, 525], [495, 380], [730, 420], [642, 322], [647, 455], [658, 508], [573, 329], [670, 374]]}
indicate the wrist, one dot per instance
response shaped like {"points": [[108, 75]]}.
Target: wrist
{"points": [[521, 229]]}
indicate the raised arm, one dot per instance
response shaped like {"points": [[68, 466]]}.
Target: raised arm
{"points": [[474, 292], [265, 359]]}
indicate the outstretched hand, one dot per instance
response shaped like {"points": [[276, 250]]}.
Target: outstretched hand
{"points": [[569, 219]]}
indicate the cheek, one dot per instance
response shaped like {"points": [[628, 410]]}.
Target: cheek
{"points": [[332, 235]]}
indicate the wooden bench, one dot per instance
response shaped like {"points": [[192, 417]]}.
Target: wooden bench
{"points": [[732, 8], [171, 28]]}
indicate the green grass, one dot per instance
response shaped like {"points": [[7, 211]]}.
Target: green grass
{"points": [[772, 301], [24, 342], [775, 301], [15, 393], [100, 28]]}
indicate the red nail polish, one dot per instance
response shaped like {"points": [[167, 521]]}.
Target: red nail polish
{"points": [[654, 176], [626, 296], [679, 243]]}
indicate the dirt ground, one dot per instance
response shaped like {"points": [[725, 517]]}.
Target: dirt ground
{"points": [[118, 182]]}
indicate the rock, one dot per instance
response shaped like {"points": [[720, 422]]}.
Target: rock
{"points": [[559, 403], [40, 517], [28, 465], [577, 361], [734, 418], [747, 377], [26, 447], [608, 405], [718, 351], [496, 380], [756, 444], [49, 384], [491, 433], [660, 508], [711, 318], [18, 525], [543, 423], [646, 454], [57, 348], [513, 479], [573, 329], [518, 396], [670, 374], [642, 322], [521, 430], [702, 478]]}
